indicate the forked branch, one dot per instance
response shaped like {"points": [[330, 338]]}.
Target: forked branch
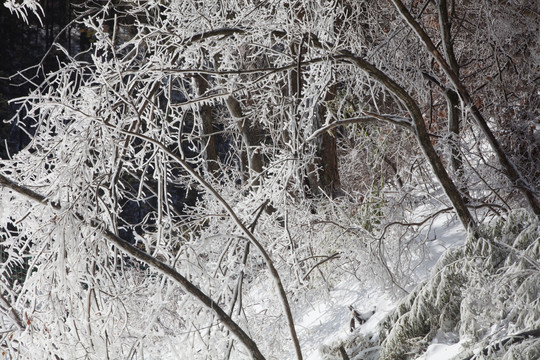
{"points": [[510, 168]]}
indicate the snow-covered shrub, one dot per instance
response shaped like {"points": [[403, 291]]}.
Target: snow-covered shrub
{"points": [[529, 349], [357, 346], [485, 292], [431, 306]]}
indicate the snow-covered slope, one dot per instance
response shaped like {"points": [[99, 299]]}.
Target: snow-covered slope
{"points": [[480, 300], [325, 323]]}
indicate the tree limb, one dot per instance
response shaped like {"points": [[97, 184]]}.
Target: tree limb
{"points": [[328, 258], [422, 137], [269, 262], [511, 170], [148, 259], [13, 314]]}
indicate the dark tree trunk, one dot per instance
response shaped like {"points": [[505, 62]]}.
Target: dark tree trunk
{"points": [[452, 98], [328, 173], [207, 126]]}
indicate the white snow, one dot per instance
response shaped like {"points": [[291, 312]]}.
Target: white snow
{"points": [[441, 352], [327, 320]]}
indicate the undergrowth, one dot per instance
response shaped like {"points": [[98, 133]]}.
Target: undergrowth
{"points": [[482, 295]]}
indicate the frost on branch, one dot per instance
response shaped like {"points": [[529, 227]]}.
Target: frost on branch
{"points": [[24, 8], [122, 137]]}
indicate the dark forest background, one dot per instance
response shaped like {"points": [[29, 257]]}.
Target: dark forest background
{"points": [[24, 46]]}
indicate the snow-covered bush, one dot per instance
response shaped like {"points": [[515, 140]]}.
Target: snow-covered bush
{"points": [[136, 237], [481, 293], [357, 346]]}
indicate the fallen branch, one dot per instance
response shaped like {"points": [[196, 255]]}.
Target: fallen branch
{"points": [[510, 340]]}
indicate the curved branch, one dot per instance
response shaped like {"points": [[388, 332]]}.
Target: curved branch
{"points": [[511, 170], [422, 136], [213, 33], [150, 260], [419, 223], [327, 258], [372, 117], [237, 221]]}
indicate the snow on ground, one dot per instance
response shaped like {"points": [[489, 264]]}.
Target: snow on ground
{"points": [[445, 234], [327, 320], [442, 352]]}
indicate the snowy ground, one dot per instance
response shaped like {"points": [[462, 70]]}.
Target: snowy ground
{"points": [[441, 351], [327, 321]]}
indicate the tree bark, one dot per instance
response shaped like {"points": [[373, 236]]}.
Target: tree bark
{"points": [[329, 180]]}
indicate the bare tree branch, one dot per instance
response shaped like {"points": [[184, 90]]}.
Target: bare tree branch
{"points": [[11, 312], [421, 136], [269, 262]]}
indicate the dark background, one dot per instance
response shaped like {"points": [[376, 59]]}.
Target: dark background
{"points": [[23, 46]]}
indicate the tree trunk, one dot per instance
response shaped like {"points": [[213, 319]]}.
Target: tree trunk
{"points": [[250, 139], [452, 98], [207, 127], [328, 172], [456, 160], [510, 168]]}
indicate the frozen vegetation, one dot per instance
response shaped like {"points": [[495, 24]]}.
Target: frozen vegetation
{"points": [[245, 179], [480, 301]]}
